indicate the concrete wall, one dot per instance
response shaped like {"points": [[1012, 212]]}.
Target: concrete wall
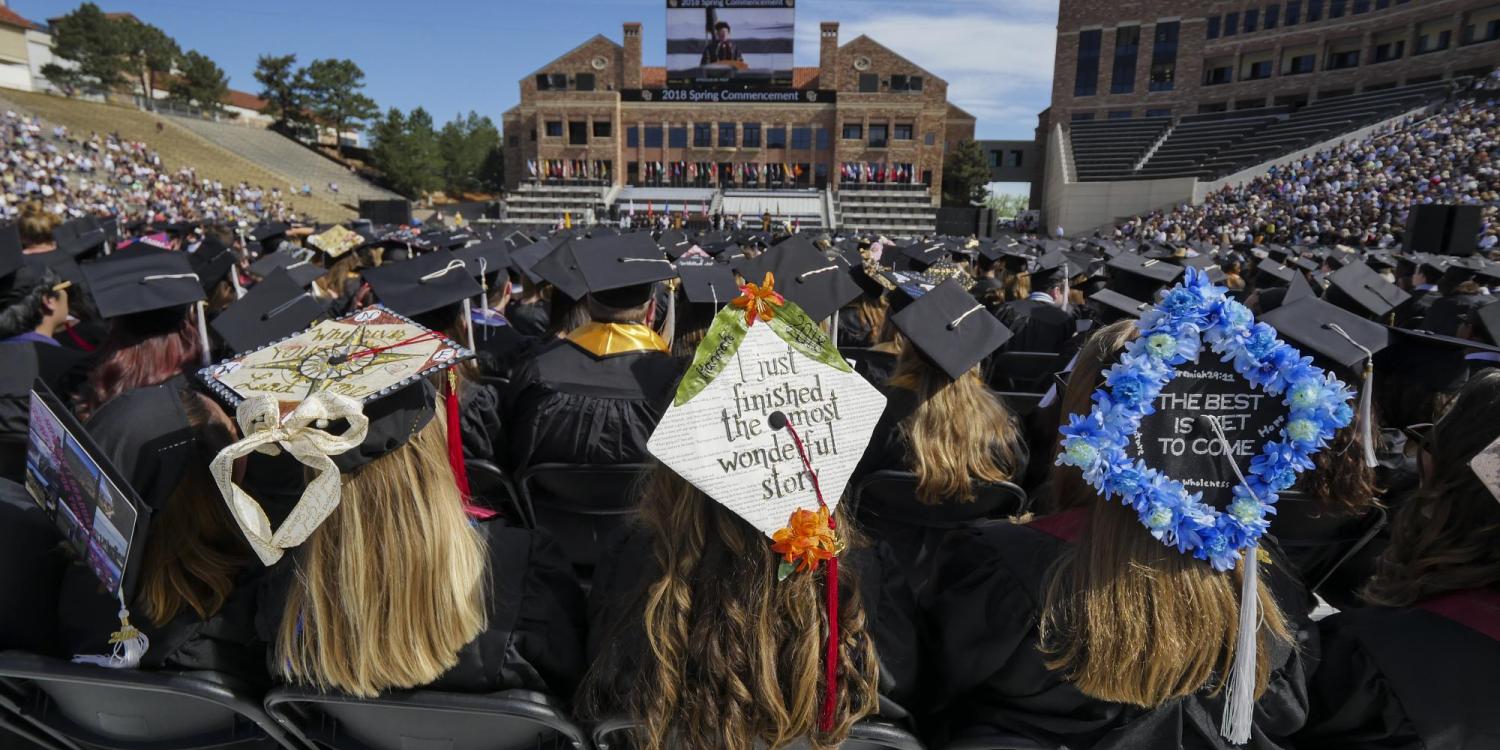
{"points": [[1080, 207]]}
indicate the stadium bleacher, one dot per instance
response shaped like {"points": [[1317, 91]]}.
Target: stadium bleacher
{"points": [[887, 209]]}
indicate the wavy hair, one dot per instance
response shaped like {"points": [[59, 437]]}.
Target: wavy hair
{"points": [[733, 657], [142, 349]]}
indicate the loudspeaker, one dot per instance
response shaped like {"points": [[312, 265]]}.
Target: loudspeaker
{"points": [[386, 212], [1427, 229], [1462, 237]]}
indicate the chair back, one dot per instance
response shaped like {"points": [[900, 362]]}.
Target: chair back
{"points": [[84, 706], [493, 490], [1023, 371], [1023, 404], [1322, 543], [426, 720], [581, 504], [869, 734]]}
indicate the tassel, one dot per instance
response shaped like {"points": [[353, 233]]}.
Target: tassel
{"points": [[1067, 299], [669, 320], [1239, 696], [469, 323], [456, 453], [130, 645], [1366, 420], [833, 330], [207, 355]]}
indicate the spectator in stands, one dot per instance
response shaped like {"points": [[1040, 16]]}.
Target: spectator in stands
{"points": [[1415, 670]]}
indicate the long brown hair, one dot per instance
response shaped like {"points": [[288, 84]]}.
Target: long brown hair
{"points": [[331, 285], [1339, 481], [871, 310], [194, 550], [1445, 538], [1098, 353], [392, 585], [142, 349], [960, 432], [734, 658], [1130, 620]]}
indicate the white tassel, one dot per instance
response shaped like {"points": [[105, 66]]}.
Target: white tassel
{"points": [[469, 322], [1366, 422], [669, 321], [207, 356], [833, 330], [130, 645], [1239, 694], [1067, 299]]}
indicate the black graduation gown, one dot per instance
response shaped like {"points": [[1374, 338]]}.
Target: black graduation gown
{"points": [[1038, 326], [989, 677], [500, 349], [1414, 312], [617, 635], [875, 366], [64, 371], [535, 634], [32, 561], [529, 318], [1418, 677], [1446, 314], [568, 406], [479, 418]]}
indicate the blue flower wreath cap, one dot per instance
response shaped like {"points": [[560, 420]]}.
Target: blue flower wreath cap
{"points": [[1190, 316]]}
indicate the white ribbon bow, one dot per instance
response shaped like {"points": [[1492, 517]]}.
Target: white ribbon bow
{"points": [[301, 433]]}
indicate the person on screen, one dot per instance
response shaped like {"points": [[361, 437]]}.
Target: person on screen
{"points": [[722, 49]]}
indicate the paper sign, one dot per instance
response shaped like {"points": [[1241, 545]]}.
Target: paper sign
{"points": [[722, 441]]}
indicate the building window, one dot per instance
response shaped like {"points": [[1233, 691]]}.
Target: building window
{"points": [[633, 136], [1390, 51], [752, 135], [914, 83], [1082, 116], [1293, 12], [514, 140], [1273, 16], [1301, 64], [1231, 23], [823, 139], [997, 158], [1164, 56], [903, 131], [1314, 10], [1491, 31], [776, 137], [703, 135], [1252, 19], [1015, 159], [869, 83], [578, 132], [1158, 113], [554, 128], [560, 81], [602, 129], [726, 135], [1119, 114], [879, 136], [1428, 43], [1213, 26], [677, 137], [584, 81], [1218, 76], [633, 172], [1361, 6], [930, 139], [802, 138], [653, 136], [1086, 83], [1335, 8], [1260, 70], [1127, 48], [854, 131]]}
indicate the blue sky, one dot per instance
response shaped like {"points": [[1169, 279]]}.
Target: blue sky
{"points": [[451, 56]]}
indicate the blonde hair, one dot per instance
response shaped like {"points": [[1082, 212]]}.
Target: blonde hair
{"points": [[960, 433], [392, 585], [331, 285]]}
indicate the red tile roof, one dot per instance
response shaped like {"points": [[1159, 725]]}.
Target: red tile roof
{"points": [[653, 78], [11, 18], [245, 101]]}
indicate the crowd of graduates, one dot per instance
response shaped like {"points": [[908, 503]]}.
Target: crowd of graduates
{"points": [[993, 593]]}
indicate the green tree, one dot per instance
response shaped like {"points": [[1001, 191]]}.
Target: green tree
{"points": [[335, 93], [405, 149], [1008, 205], [965, 175], [282, 86], [492, 171], [93, 45], [148, 53], [199, 82], [464, 144]]}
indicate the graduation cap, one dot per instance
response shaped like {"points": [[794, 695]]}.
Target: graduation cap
{"points": [[422, 284], [19, 273], [951, 329], [1209, 265], [1274, 273], [619, 270], [1113, 306], [1486, 322], [125, 285], [302, 269], [1052, 269], [269, 234], [212, 261], [81, 236], [1357, 288], [1141, 278], [923, 254], [709, 284], [485, 259], [803, 275], [358, 385], [527, 256], [674, 243], [275, 308], [559, 267], [1314, 326], [336, 242], [1431, 361]]}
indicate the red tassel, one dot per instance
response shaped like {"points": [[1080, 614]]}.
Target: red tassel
{"points": [[831, 585], [79, 340], [456, 453]]}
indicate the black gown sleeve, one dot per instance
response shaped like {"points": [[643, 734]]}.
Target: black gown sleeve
{"points": [[550, 628], [1352, 704], [479, 417], [895, 627], [31, 569]]}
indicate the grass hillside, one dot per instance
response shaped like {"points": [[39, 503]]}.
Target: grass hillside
{"points": [[177, 146]]}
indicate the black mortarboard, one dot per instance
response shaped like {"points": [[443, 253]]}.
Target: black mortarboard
{"points": [[1051, 269], [1208, 265], [275, 308], [19, 275], [1357, 288], [560, 269], [212, 261], [61, 264], [1308, 324], [1486, 322], [922, 254], [485, 258], [266, 232], [422, 284], [1114, 306], [674, 243], [708, 284], [1306, 264], [951, 329], [803, 275], [123, 285], [1272, 273], [304, 271], [1141, 278], [619, 270], [80, 236], [1429, 360], [527, 256]]}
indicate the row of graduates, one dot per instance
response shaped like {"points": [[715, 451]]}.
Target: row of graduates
{"points": [[683, 614]]}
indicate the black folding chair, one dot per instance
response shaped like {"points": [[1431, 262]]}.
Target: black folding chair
{"points": [[1023, 371], [493, 490], [870, 734], [77, 706], [1023, 404], [420, 719], [581, 504]]}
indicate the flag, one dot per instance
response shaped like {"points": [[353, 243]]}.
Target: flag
{"points": [[632, 207], [567, 221]]}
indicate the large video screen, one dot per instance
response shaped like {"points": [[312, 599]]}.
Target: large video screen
{"points": [[733, 43], [98, 519]]}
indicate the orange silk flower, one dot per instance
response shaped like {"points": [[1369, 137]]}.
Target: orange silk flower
{"points": [[806, 540], [759, 301]]}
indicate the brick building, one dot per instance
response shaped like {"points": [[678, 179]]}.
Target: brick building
{"points": [[596, 116], [1122, 59]]}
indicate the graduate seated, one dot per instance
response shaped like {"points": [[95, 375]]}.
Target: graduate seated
{"points": [[1041, 322], [1416, 669]]}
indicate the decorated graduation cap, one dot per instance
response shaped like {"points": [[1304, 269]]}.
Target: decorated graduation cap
{"points": [[336, 396], [1206, 418], [336, 242], [275, 308], [770, 422], [951, 329], [819, 286]]}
